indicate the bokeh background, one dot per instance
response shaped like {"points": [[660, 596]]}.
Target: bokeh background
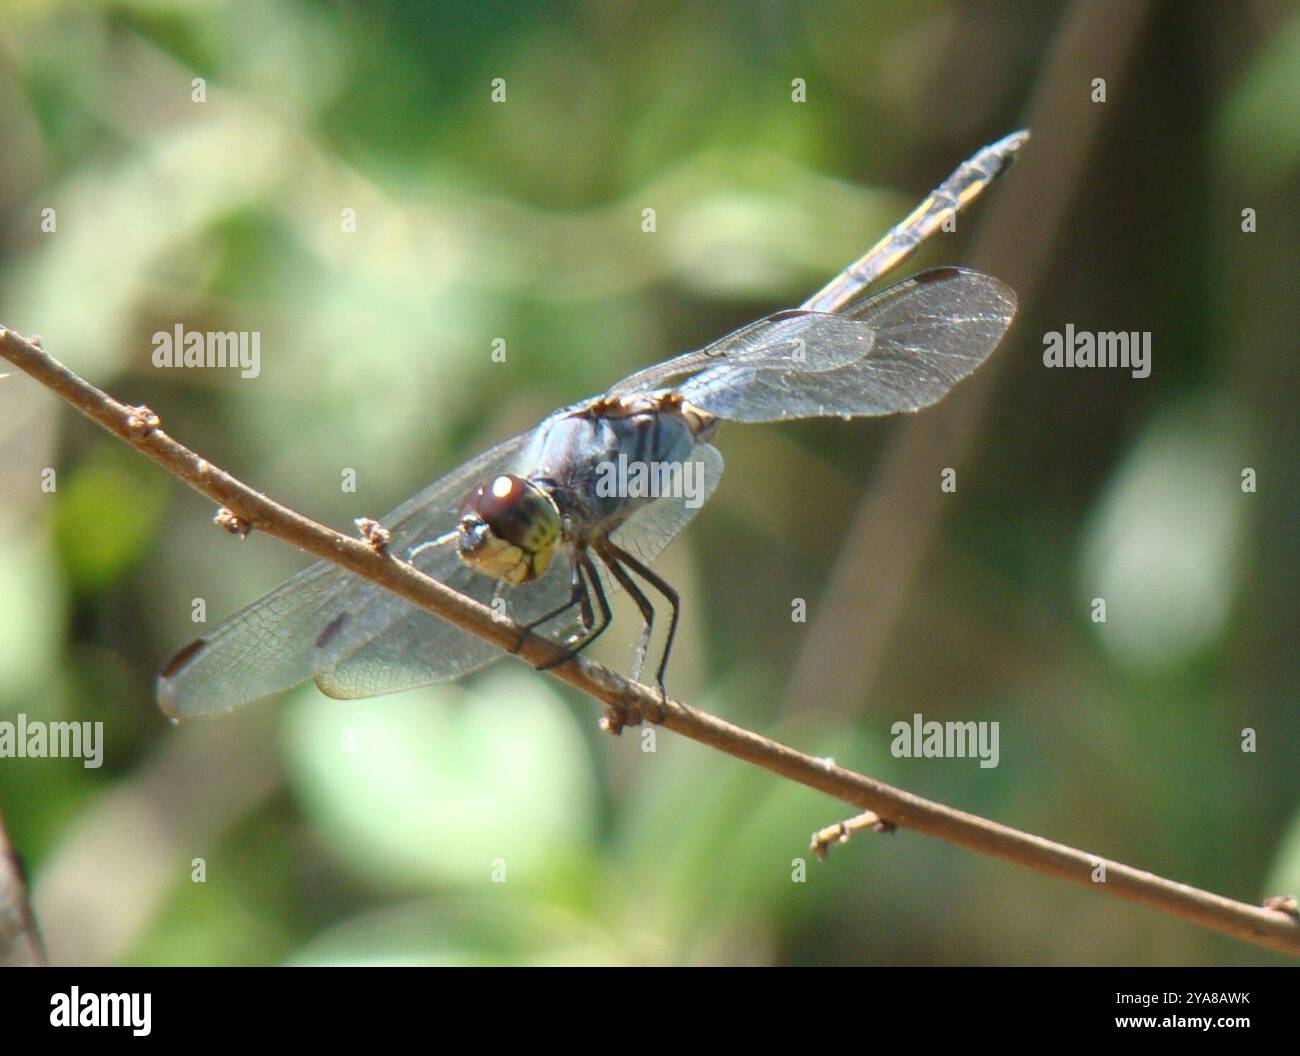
{"points": [[367, 831]]}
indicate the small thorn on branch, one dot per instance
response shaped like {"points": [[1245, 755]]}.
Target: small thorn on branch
{"points": [[232, 523], [377, 537], [842, 831]]}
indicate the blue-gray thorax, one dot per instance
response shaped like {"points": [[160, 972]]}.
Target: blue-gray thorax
{"points": [[576, 452]]}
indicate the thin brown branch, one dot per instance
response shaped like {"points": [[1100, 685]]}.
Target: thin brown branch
{"points": [[626, 700]]}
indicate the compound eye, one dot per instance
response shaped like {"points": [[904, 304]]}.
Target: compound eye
{"points": [[509, 528], [515, 511], [498, 500]]}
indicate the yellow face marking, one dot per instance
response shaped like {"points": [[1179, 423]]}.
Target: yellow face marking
{"points": [[503, 560], [541, 534], [541, 559]]}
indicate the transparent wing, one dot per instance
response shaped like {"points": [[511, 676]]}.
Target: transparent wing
{"points": [[381, 644], [816, 339], [271, 644], [263, 648], [929, 332]]}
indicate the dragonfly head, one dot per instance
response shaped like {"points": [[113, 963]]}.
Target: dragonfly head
{"points": [[508, 529]]}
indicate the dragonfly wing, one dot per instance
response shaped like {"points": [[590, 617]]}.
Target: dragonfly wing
{"points": [[381, 643], [778, 339], [271, 644], [927, 333], [265, 647]]}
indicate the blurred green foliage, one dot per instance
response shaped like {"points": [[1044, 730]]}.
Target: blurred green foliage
{"points": [[490, 822]]}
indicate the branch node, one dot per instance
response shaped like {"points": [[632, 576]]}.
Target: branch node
{"points": [[142, 421], [232, 523], [376, 536], [1283, 904], [617, 716]]}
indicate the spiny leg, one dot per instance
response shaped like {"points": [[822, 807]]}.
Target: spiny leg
{"points": [[585, 613], [945, 201], [577, 596], [606, 617], [622, 557], [642, 602], [593, 579]]}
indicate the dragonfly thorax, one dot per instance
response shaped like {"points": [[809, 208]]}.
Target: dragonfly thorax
{"points": [[509, 528]]}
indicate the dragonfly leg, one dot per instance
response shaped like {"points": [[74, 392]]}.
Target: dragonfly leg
{"points": [[606, 617], [643, 603], [622, 557], [593, 581], [578, 595], [585, 613], [429, 544]]}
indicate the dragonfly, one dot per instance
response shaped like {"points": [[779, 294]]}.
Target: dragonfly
{"points": [[556, 519]]}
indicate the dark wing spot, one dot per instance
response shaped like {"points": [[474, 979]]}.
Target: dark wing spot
{"points": [[182, 658], [936, 275], [331, 630]]}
